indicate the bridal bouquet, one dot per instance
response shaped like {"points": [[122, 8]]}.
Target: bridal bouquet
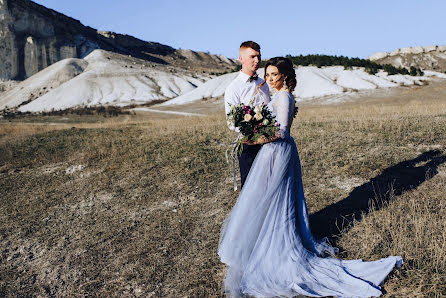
{"points": [[252, 122]]}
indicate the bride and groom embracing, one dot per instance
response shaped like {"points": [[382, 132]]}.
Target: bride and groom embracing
{"points": [[266, 241]]}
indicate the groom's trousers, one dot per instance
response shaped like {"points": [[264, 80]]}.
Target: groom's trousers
{"points": [[246, 159]]}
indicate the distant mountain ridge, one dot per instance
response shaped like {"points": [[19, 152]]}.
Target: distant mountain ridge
{"points": [[33, 37], [424, 57]]}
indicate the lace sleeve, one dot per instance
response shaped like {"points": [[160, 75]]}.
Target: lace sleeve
{"points": [[283, 106]]}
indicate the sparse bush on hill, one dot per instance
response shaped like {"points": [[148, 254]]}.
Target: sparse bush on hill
{"points": [[106, 111], [11, 114], [392, 70], [328, 60]]}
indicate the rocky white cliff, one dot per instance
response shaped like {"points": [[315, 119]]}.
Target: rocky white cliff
{"points": [[424, 57], [32, 37]]}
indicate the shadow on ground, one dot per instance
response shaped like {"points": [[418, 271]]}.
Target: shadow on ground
{"points": [[391, 183]]}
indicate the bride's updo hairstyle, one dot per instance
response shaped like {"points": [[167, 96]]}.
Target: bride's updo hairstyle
{"points": [[285, 67]]}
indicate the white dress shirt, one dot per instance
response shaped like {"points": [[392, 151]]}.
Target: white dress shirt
{"points": [[242, 91]]}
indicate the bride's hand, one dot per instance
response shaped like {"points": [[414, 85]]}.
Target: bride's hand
{"points": [[272, 139], [261, 140], [249, 142]]}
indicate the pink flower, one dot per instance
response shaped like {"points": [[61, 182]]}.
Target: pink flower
{"points": [[276, 124]]}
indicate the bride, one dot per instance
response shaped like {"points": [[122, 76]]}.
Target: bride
{"points": [[266, 240]]}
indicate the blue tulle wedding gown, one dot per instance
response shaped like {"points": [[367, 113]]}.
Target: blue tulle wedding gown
{"points": [[266, 240]]}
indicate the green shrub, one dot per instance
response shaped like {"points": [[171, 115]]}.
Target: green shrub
{"points": [[348, 63]]}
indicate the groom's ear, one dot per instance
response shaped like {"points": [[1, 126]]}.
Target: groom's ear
{"points": [[241, 53]]}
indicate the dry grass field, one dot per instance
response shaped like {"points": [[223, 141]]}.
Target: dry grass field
{"points": [[132, 205]]}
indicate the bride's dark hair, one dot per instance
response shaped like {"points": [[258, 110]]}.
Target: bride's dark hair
{"points": [[285, 67]]}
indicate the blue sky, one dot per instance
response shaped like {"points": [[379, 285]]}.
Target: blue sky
{"points": [[355, 28]]}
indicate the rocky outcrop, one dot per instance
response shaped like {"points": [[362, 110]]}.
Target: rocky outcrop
{"points": [[8, 56], [424, 57], [33, 37], [200, 61]]}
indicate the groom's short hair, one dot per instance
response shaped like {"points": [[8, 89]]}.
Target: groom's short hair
{"points": [[250, 44]]}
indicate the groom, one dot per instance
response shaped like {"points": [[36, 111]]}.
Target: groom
{"points": [[242, 90]]}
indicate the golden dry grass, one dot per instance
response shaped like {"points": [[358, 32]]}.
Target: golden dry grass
{"points": [[132, 206]]}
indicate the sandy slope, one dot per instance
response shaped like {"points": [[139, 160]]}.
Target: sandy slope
{"points": [[313, 82], [105, 78], [46, 80], [100, 78]]}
